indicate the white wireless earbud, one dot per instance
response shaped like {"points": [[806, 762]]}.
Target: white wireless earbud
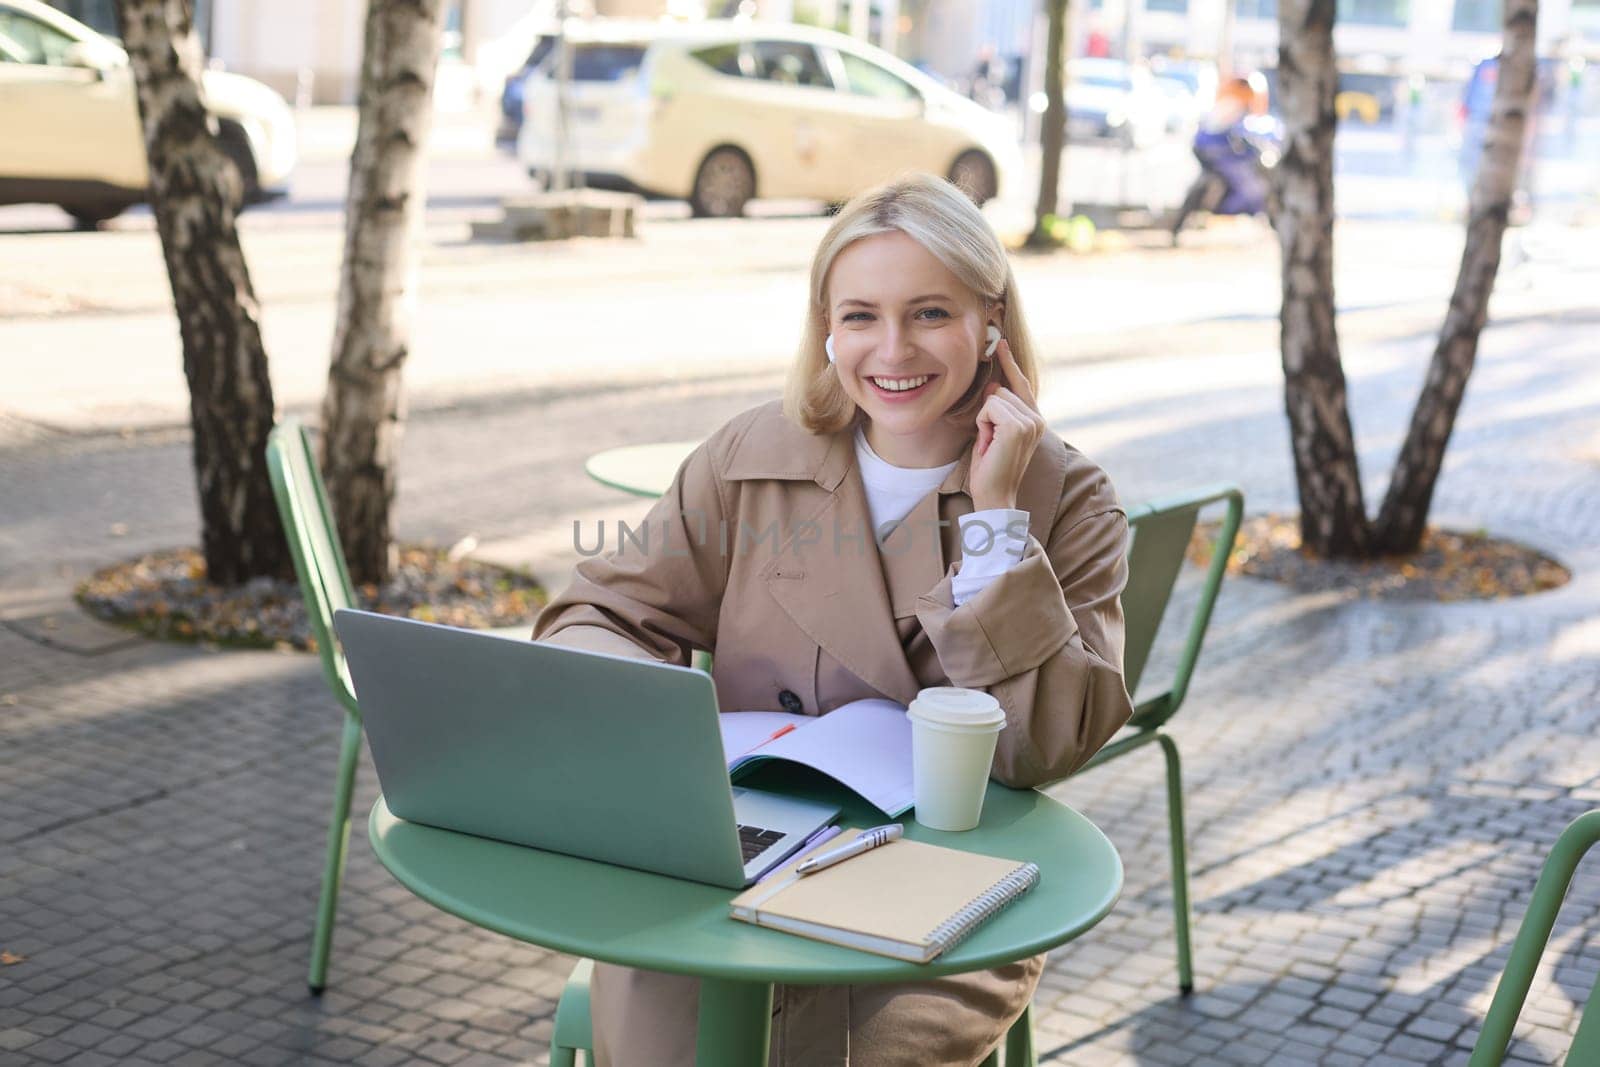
{"points": [[993, 335], [828, 346]]}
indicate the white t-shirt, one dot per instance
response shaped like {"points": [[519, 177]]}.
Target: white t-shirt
{"points": [[989, 545]]}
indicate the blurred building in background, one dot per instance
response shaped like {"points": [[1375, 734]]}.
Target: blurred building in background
{"points": [[1433, 37], [310, 50], [1438, 38]]}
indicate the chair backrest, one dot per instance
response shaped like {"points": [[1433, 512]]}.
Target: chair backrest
{"points": [[1161, 530], [318, 560], [1579, 836]]}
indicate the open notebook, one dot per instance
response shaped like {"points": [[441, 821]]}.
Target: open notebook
{"points": [[906, 899], [865, 745]]}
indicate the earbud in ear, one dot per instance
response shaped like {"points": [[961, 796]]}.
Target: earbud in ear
{"points": [[828, 347], [993, 336]]}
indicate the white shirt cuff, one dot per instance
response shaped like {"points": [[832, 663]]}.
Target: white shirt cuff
{"points": [[992, 542]]}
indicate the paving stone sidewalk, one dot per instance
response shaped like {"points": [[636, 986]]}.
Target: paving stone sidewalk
{"points": [[1372, 788]]}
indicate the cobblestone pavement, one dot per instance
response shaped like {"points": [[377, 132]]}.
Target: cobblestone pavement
{"points": [[1371, 788]]}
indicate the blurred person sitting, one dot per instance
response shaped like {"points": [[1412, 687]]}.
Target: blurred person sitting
{"points": [[1236, 144]]}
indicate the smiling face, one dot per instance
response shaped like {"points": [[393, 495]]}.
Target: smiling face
{"points": [[907, 336]]}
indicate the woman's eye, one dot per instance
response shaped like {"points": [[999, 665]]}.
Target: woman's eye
{"points": [[934, 313], [856, 316]]}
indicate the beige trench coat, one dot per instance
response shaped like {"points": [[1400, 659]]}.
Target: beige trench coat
{"points": [[761, 552]]}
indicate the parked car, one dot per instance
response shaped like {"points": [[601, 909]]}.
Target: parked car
{"points": [[69, 120], [721, 112], [511, 96], [1109, 100]]}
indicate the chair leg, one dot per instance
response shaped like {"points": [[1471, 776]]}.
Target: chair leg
{"points": [[1180, 863], [1019, 1040], [572, 1030], [338, 846]]}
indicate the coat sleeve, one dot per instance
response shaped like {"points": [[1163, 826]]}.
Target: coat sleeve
{"points": [[658, 593], [1045, 638]]}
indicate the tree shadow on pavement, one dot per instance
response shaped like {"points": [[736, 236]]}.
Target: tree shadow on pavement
{"points": [[1290, 1020]]}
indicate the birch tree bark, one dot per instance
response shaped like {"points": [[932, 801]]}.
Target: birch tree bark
{"points": [[195, 192], [1052, 131], [1333, 521], [1404, 513], [363, 409]]}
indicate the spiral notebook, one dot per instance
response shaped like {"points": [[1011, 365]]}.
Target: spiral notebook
{"points": [[907, 899]]}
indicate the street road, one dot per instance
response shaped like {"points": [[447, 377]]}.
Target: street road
{"points": [[88, 341], [1380, 170]]}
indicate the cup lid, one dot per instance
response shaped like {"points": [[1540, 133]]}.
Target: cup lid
{"points": [[952, 706]]}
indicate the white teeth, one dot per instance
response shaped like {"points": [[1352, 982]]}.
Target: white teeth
{"points": [[899, 385]]}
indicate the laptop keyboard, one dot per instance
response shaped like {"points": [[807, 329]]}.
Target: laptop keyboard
{"points": [[753, 840]]}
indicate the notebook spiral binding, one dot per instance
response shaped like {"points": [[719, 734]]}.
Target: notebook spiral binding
{"points": [[997, 896]]}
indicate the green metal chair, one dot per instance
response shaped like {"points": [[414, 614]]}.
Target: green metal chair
{"points": [[1490, 1051], [325, 586], [1161, 530]]}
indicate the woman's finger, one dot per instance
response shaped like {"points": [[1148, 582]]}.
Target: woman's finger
{"points": [[985, 426], [1014, 376], [1020, 405], [1017, 431], [1007, 421]]}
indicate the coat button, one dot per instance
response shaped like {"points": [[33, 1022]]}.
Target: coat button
{"points": [[790, 702]]}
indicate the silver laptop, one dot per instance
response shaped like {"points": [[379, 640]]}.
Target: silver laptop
{"points": [[589, 754]]}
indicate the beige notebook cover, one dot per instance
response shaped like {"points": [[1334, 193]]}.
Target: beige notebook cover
{"points": [[906, 899]]}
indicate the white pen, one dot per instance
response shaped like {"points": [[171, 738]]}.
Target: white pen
{"points": [[863, 842]]}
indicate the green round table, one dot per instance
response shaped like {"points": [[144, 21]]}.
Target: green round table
{"points": [[619, 915], [643, 470]]}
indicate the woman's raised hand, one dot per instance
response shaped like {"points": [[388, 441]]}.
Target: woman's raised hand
{"points": [[1009, 429]]}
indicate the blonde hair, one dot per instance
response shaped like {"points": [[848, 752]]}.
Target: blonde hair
{"points": [[942, 219]]}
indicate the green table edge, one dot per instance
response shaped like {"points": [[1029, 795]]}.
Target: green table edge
{"points": [[837, 964], [635, 488]]}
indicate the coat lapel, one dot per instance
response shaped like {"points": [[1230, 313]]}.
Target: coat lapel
{"points": [[830, 582], [916, 555], [827, 576]]}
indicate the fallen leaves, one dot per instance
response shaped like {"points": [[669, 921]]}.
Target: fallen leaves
{"points": [[166, 595], [1449, 566], [8, 959]]}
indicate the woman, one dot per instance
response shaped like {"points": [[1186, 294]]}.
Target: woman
{"points": [[902, 519]]}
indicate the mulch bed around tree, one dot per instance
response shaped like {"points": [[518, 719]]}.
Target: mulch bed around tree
{"points": [[166, 595], [1449, 566]]}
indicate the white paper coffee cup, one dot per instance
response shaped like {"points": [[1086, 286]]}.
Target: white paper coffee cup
{"points": [[953, 734]]}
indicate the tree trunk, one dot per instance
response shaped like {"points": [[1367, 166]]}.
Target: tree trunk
{"points": [[363, 410], [1052, 132], [1405, 507], [195, 192], [1333, 521]]}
